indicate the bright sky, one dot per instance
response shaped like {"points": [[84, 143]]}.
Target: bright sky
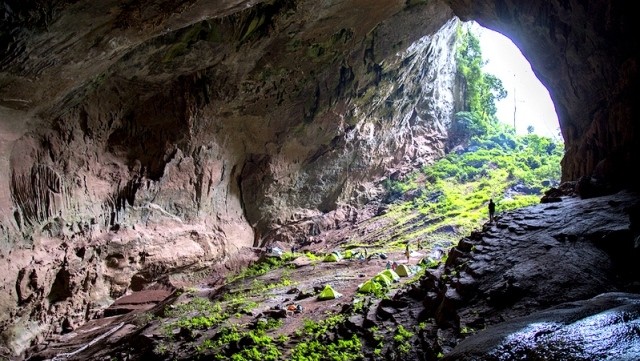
{"points": [[533, 105]]}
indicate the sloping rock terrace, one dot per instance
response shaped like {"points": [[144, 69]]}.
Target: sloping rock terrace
{"points": [[544, 282]]}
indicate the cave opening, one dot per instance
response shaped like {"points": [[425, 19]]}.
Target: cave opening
{"points": [[528, 106]]}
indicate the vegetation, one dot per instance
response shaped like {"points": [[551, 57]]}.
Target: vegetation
{"points": [[488, 160], [315, 343], [435, 205], [401, 340], [261, 267], [199, 313]]}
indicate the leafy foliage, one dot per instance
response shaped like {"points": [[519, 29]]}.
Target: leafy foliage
{"points": [[199, 313], [314, 344], [338, 350], [487, 160], [401, 339], [482, 91]]}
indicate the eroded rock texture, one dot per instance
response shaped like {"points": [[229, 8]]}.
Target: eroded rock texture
{"points": [[154, 140], [603, 327], [545, 282], [146, 139]]}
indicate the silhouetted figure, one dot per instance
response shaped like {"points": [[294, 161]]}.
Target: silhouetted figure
{"points": [[492, 210], [407, 252]]}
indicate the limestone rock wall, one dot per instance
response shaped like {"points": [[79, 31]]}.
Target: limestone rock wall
{"points": [[143, 143], [141, 140]]}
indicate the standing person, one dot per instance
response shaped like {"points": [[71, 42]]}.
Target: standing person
{"points": [[407, 252], [492, 209]]}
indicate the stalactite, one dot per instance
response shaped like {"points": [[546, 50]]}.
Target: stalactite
{"points": [[37, 195], [116, 204]]}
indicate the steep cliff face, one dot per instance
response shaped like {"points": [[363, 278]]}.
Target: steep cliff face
{"points": [[146, 142]]}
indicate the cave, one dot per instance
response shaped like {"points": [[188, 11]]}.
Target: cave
{"points": [[177, 133]]}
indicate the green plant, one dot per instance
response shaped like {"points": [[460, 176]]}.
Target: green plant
{"points": [[197, 313], [312, 256], [338, 350], [466, 330], [205, 345], [401, 339], [161, 349], [144, 318], [261, 267], [321, 327], [269, 323]]}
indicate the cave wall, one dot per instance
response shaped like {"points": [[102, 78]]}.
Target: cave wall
{"points": [[279, 85], [145, 140], [145, 144]]}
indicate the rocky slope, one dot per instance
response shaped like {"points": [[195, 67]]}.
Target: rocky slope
{"points": [[148, 141], [550, 281], [577, 256]]}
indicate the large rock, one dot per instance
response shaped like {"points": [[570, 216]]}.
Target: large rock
{"points": [[601, 328], [533, 259]]}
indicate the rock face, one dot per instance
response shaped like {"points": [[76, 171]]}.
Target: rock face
{"points": [[551, 281], [601, 328], [145, 140], [513, 276]]}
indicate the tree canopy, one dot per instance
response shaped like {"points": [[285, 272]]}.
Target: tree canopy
{"points": [[486, 159]]}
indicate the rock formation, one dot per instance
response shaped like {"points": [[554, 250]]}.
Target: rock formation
{"points": [[542, 281], [146, 141], [160, 140]]}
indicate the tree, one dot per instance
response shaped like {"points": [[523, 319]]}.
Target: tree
{"points": [[482, 90]]}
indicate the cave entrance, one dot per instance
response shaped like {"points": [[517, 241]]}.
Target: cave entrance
{"points": [[528, 106]]}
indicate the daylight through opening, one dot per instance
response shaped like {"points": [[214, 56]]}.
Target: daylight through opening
{"points": [[528, 106]]}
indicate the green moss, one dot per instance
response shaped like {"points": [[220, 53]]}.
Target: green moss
{"points": [[186, 40], [340, 350], [198, 313], [256, 22], [262, 267]]}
